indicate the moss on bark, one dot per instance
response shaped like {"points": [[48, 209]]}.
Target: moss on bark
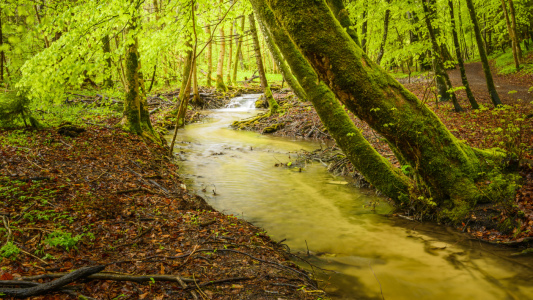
{"points": [[376, 169], [447, 166]]}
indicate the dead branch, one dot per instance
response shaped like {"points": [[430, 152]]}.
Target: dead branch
{"points": [[116, 277], [44, 288]]}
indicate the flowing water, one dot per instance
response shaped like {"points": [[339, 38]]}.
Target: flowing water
{"points": [[372, 254]]}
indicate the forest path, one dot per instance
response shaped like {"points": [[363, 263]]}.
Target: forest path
{"points": [[504, 83]]}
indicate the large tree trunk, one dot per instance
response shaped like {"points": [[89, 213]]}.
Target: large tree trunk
{"points": [[365, 159], [136, 116], [261, 70], [445, 165], [443, 81], [385, 33], [469, 94], [483, 55]]}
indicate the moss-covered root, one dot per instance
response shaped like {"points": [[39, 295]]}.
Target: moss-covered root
{"points": [[272, 103], [220, 85]]}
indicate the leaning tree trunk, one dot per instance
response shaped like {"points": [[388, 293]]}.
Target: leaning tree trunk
{"points": [[385, 32], [511, 35], [261, 70], [447, 166], [186, 89], [364, 158], [342, 15], [443, 80], [483, 55], [469, 94], [283, 66]]}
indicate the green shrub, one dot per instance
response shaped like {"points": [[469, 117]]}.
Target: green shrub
{"points": [[15, 106], [62, 239], [9, 250]]}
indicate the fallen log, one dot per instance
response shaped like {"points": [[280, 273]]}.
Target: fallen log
{"points": [[44, 288], [116, 277]]}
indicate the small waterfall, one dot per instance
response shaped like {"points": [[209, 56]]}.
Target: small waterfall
{"points": [[242, 103]]}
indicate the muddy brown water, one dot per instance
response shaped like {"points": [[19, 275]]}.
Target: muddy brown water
{"points": [[372, 255]]}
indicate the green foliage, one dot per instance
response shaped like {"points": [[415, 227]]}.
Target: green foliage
{"points": [[15, 106], [62, 239], [9, 250]]}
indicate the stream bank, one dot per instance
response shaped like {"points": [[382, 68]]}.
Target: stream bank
{"points": [[105, 197]]}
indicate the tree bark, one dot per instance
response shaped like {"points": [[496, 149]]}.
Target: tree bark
{"points": [[511, 33], [238, 54], [106, 47], [261, 70], [209, 55], [443, 80], [2, 55], [187, 68], [342, 15], [230, 53], [136, 116], [364, 27], [282, 63], [483, 55], [469, 93], [513, 26], [376, 169], [447, 166], [220, 86], [385, 32]]}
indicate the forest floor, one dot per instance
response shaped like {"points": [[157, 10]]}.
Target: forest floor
{"points": [[93, 195], [509, 127]]}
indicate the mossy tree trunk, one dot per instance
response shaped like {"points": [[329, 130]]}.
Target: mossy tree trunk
{"points": [[445, 165], [136, 116], [2, 50], [342, 15], [443, 81], [469, 93], [376, 169], [364, 27], [282, 63], [260, 68], [187, 68], [230, 53], [483, 55]]}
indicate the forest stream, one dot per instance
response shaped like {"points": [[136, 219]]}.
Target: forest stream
{"points": [[374, 256]]}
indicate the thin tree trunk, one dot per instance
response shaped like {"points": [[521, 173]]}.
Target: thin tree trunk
{"points": [[2, 55], [185, 88], [513, 26], [196, 97], [261, 70], [364, 158], [46, 42], [106, 48], [221, 87], [469, 94], [511, 33], [385, 32], [238, 54], [443, 81], [364, 27], [448, 167], [230, 53], [483, 55], [209, 55]]}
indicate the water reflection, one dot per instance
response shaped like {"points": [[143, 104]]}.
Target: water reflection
{"points": [[371, 252]]}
